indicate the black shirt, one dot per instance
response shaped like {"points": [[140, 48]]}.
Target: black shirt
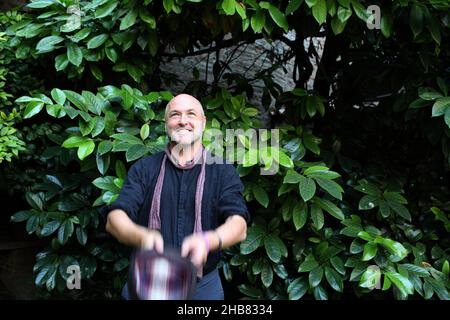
{"points": [[222, 197]]}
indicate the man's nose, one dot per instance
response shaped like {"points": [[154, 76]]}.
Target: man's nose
{"points": [[183, 119]]}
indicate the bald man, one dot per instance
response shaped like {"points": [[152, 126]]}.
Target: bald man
{"points": [[177, 199]]}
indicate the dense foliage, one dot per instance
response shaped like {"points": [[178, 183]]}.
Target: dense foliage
{"points": [[360, 203]]}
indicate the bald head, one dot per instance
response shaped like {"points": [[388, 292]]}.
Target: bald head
{"points": [[185, 120], [184, 99]]}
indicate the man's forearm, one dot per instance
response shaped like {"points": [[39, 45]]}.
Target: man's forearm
{"points": [[123, 229], [233, 231]]}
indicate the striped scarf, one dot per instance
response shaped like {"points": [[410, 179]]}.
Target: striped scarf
{"points": [[155, 220]]}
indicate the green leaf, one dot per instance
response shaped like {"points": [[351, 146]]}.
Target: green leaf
{"points": [[111, 53], [447, 117], [292, 177], [321, 172], [50, 227], [32, 224], [365, 236], [400, 209], [315, 277], [127, 138], [92, 102], [440, 106], [337, 26], [135, 152], [397, 249], [96, 72], [129, 20], [267, 274], [371, 278], [330, 207], [80, 35], [97, 41], [416, 19], [320, 293], [38, 4], [77, 99], [429, 94], [299, 215], [47, 44], [344, 14], [384, 209], [104, 147], [311, 3], [446, 268], [293, 6], [59, 96], [387, 23], [370, 250], [317, 216], [311, 143], [21, 216], [319, 11], [102, 163], [279, 18], [255, 236], [297, 288], [402, 283], [439, 288], [334, 279], [148, 19], [386, 284], [442, 85], [395, 197], [435, 30], [250, 291], [110, 122], [229, 7], [99, 126], [65, 231], [145, 131], [121, 173], [338, 264], [260, 195], [285, 161], [61, 62], [421, 272], [81, 235], [106, 183], [85, 149], [307, 188], [331, 187], [368, 202], [105, 9], [275, 248], [74, 54], [33, 108], [74, 142], [308, 265], [368, 188]]}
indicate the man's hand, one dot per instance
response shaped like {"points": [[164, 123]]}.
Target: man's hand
{"points": [[152, 239], [195, 246]]}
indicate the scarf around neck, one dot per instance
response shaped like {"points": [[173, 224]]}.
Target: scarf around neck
{"points": [[155, 220]]}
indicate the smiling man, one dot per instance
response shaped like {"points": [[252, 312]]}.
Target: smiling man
{"points": [[177, 199]]}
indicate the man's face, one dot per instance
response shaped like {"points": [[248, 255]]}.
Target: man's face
{"points": [[185, 121]]}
